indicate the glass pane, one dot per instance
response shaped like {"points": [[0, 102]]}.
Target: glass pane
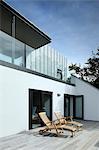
{"points": [[49, 67], [53, 63], [65, 69], [5, 47], [37, 60], [42, 64], [56, 62], [18, 55], [46, 60], [35, 97], [46, 104], [71, 106], [29, 59], [33, 57], [78, 111], [67, 107]]}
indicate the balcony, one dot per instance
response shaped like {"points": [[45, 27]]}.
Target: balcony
{"points": [[44, 60]]}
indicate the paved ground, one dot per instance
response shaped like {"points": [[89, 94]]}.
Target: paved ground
{"points": [[88, 139]]}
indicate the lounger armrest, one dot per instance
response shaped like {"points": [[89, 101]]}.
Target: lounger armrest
{"points": [[49, 122], [56, 122], [53, 122], [63, 118], [60, 121]]}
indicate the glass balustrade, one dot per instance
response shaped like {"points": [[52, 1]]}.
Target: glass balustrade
{"points": [[44, 60]]}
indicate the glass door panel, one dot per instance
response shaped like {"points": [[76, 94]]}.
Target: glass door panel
{"points": [[67, 106], [73, 106], [68, 103], [78, 107], [36, 107], [46, 103]]}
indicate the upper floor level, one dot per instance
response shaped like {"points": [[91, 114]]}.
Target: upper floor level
{"points": [[17, 26], [23, 44]]}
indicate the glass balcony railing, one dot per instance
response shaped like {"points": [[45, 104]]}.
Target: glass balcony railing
{"points": [[44, 60], [11, 50]]}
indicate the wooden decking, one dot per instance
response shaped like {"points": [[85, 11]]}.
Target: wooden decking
{"points": [[88, 139]]}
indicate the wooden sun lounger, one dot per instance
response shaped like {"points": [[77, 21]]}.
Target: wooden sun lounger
{"points": [[68, 120], [52, 125]]}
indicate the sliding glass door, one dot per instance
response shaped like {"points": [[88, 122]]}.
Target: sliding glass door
{"points": [[39, 101], [73, 106]]}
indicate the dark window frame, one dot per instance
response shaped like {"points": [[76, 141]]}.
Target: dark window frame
{"points": [[74, 105], [31, 103]]}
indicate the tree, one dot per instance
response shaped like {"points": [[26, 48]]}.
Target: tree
{"points": [[90, 72]]}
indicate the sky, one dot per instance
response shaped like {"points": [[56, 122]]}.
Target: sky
{"points": [[73, 25]]}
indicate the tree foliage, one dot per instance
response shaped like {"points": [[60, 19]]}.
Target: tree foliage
{"points": [[90, 72]]}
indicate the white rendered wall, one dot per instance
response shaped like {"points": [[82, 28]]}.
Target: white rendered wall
{"points": [[14, 98], [91, 98]]}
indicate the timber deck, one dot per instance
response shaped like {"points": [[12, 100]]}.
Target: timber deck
{"points": [[87, 139]]}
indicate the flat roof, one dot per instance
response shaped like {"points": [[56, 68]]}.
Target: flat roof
{"points": [[34, 36]]}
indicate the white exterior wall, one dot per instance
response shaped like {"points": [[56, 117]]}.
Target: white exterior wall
{"points": [[91, 98], [14, 98]]}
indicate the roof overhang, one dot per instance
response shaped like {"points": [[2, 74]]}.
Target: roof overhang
{"points": [[25, 31]]}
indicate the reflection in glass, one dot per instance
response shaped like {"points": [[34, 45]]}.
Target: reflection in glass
{"points": [[66, 109], [71, 106], [18, 48], [29, 60], [46, 104], [5, 47]]}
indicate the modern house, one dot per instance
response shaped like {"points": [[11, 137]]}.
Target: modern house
{"points": [[33, 78]]}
